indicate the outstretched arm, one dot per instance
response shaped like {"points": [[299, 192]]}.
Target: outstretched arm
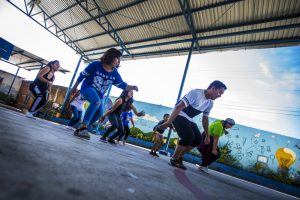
{"points": [[132, 87], [139, 114], [114, 107], [179, 107], [132, 122], [205, 127], [215, 145]]}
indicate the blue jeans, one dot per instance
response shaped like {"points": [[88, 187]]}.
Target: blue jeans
{"points": [[76, 116], [95, 110], [116, 123]]}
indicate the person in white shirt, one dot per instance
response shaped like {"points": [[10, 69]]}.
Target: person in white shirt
{"points": [[197, 101], [77, 106]]}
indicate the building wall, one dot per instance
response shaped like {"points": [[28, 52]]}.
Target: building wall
{"points": [[25, 97], [6, 80]]}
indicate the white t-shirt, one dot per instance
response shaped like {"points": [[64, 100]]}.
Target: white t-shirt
{"points": [[78, 102], [196, 103]]}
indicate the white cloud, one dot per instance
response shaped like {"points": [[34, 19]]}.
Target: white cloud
{"points": [[265, 70]]}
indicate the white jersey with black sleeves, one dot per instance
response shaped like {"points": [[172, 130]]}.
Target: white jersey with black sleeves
{"points": [[196, 103]]}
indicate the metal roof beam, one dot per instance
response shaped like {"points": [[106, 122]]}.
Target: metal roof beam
{"points": [[221, 47], [107, 13], [275, 28], [163, 18], [63, 10], [28, 62], [205, 30], [185, 7], [64, 38], [104, 24]]}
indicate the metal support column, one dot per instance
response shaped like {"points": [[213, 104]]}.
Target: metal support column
{"points": [[13, 82], [179, 94], [70, 87]]}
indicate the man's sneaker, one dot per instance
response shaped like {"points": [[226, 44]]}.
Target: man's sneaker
{"points": [[151, 153], [155, 154], [202, 168], [29, 115], [83, 133], [177, 163], [111, 141], [103, 139], [181, 164]]}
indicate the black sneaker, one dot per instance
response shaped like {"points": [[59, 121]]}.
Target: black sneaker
{"points": [[103, 139], [151, 153], [181, 164], [155, 154], [177, 163], [111, 141], [82, 132]]}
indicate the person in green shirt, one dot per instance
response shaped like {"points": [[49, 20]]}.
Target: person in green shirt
{"points": [[210, 152]]}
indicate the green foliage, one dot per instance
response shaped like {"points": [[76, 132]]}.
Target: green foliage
{"points": [[9, 99], [280, 175], [173, 143], [228, 159]]}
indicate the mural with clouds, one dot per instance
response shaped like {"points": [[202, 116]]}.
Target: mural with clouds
{"points": [[248, 145]]}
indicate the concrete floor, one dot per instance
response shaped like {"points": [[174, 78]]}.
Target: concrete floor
{"points": [[43, 160]]}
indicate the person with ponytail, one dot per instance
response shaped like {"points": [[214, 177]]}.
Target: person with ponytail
{"points": [[41, 87], [122, 103]]}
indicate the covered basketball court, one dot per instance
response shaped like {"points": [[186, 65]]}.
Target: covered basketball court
{"points": [[152, 28]]}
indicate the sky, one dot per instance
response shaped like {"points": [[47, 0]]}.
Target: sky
{"points": [[263, 85]]}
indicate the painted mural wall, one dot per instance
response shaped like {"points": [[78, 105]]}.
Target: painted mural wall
{"points": [[249, 146]]}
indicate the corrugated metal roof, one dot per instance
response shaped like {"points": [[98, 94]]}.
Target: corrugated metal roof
{"points": [[155, 28], [28, 61]]}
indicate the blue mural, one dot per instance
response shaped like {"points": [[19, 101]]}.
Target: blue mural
{"points": [[248, 145]]}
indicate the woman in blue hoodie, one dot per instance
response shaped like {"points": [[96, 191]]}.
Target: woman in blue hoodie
{"points": [[97, 77]]}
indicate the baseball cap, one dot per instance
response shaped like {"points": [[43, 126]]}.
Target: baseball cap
{"points": [[230, 121]]}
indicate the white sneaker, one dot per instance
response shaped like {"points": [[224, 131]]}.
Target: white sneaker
{"points": [[29, 115], [202, 168]]}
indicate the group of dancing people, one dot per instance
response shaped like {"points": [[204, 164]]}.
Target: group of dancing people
{"points": [[96, 79]]}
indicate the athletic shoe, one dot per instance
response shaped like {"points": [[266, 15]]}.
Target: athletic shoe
{"points": [[124, 142], [177, 163], [181, 164], [111, 141], [83, 133], [29, 115], [103, 139], [202, 168], [151, 153], [155, 154]]}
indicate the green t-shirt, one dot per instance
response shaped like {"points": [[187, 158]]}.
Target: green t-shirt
{"points": [[216, 129]]}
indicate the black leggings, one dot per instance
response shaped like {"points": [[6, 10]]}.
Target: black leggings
{"points": [[40, 98], [116, 123], [126, 133], [188, 132]]}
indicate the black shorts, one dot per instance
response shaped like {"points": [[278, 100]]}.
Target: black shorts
{"points": [[187, 131]]}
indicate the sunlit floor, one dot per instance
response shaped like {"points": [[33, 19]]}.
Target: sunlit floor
{"points": [[43, 160]]}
